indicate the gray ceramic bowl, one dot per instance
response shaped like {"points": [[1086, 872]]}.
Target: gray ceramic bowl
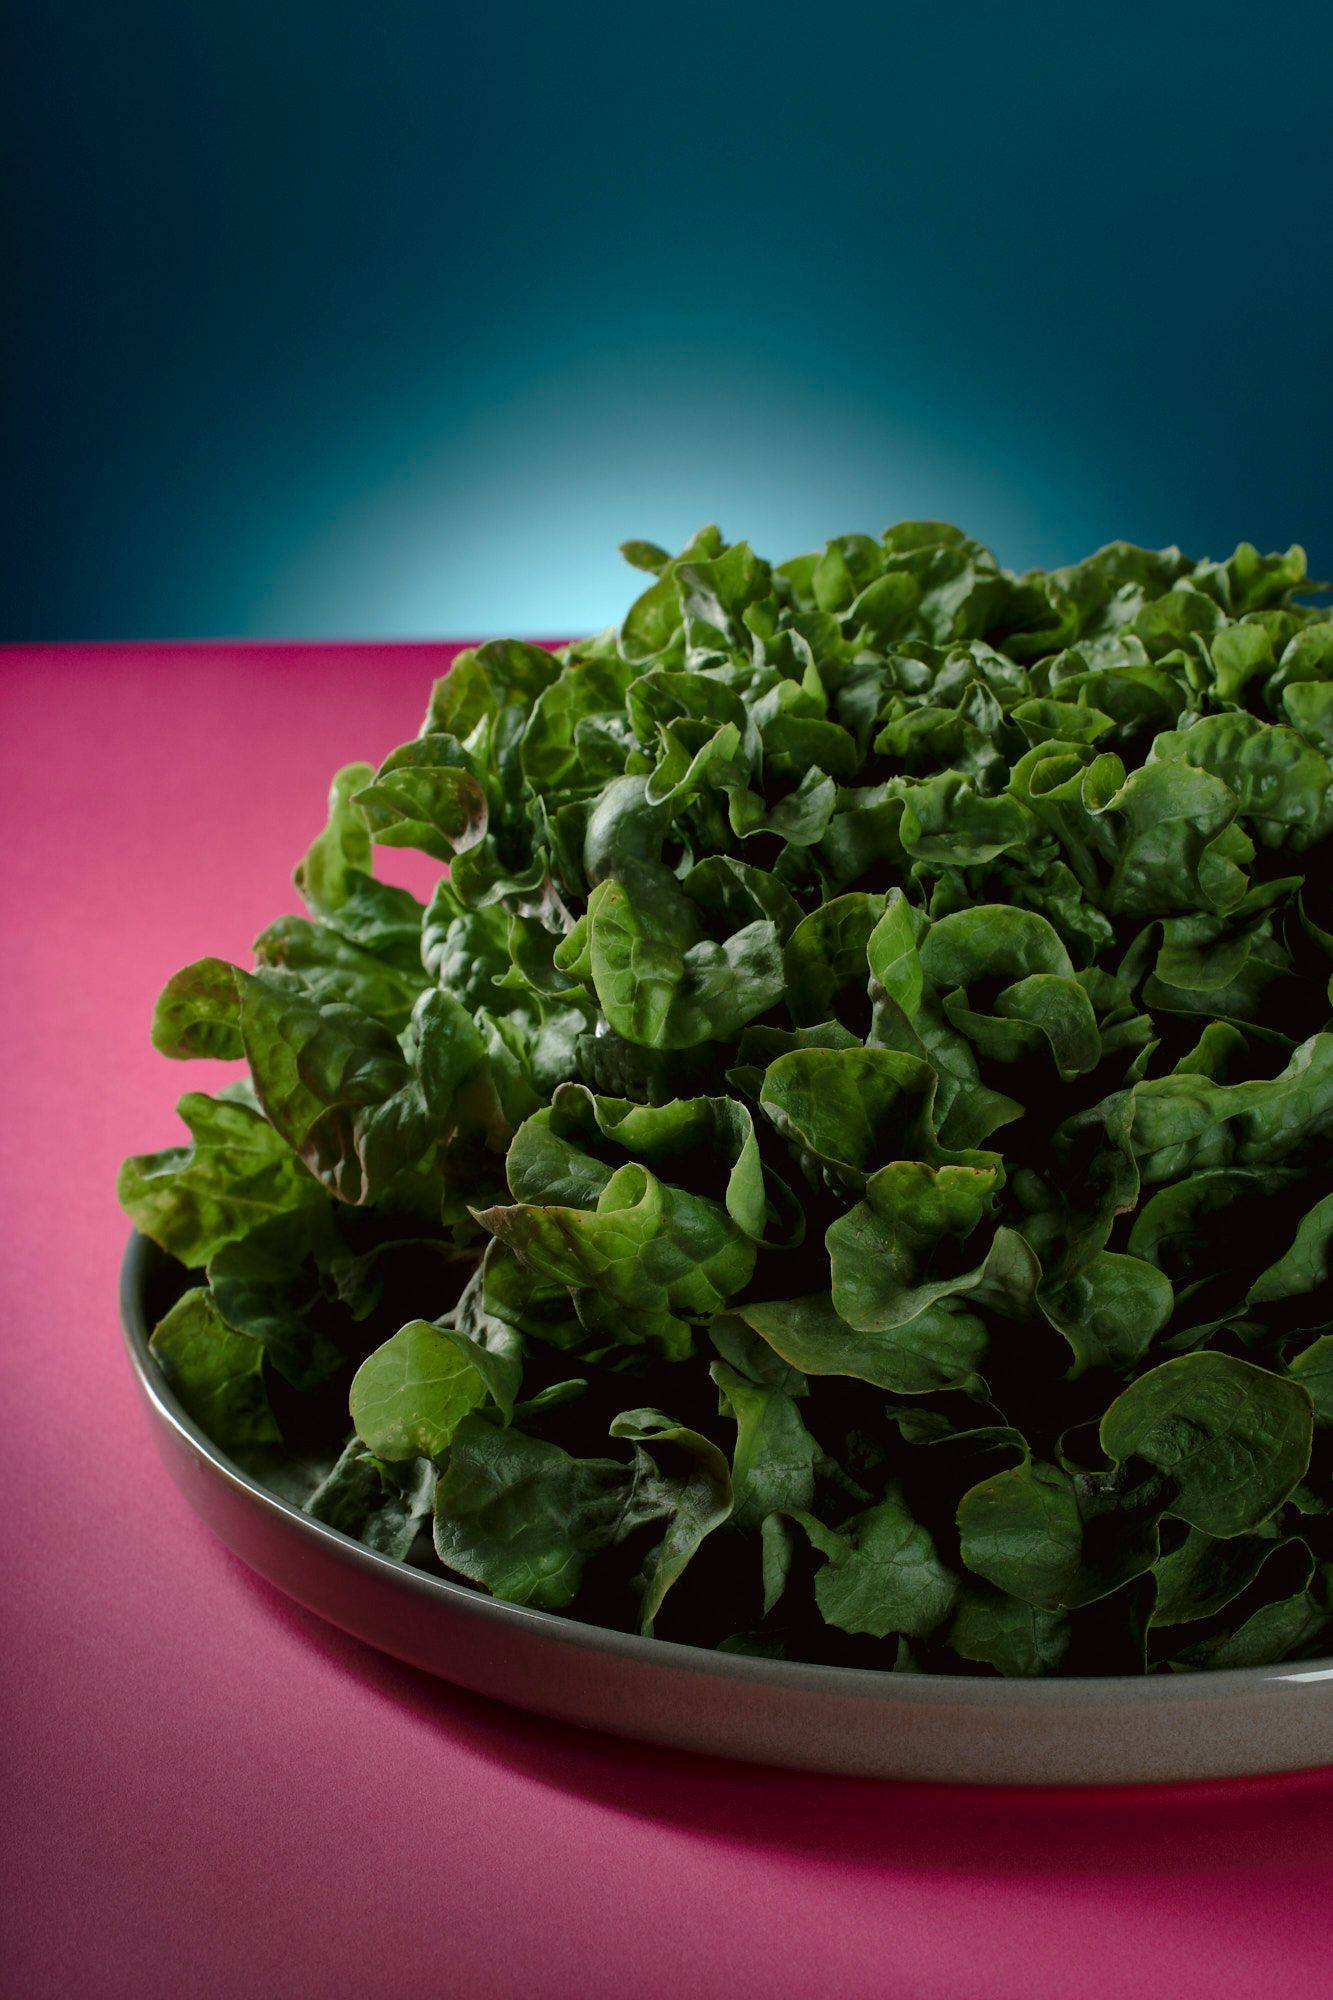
{"points": [[917, 1726]]}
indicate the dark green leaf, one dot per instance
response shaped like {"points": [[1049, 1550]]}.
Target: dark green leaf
{"points": [[235, 1175], [1059, 1540], [1234, 1438], [217, 1374], [882, 1573]]}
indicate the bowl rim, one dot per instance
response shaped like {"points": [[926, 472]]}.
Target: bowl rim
{"points": [[142, 1254]]}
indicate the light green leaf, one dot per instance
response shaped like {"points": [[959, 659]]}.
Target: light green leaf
{"points": [[410, 1395]]}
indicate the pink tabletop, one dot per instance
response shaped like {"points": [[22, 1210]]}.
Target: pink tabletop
{"points": [[207, 1792]]}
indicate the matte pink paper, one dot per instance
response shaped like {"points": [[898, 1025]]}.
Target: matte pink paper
{"points": [[207, 1792]]}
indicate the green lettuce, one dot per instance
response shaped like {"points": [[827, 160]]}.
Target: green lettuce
{"points": [[838, 1168]]}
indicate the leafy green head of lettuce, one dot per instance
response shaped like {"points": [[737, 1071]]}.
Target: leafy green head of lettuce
{"points": [[839, 1167]]}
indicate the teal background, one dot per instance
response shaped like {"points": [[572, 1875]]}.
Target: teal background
{"points": [[395, 319]]}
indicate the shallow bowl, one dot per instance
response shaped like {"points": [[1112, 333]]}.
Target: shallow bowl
{"points": [[932, 1727]]}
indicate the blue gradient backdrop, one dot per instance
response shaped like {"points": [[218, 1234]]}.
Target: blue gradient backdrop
{"points": [[394, 319]]}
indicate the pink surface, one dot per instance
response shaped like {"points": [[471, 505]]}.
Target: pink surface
{"points": [[207, 1792]]}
